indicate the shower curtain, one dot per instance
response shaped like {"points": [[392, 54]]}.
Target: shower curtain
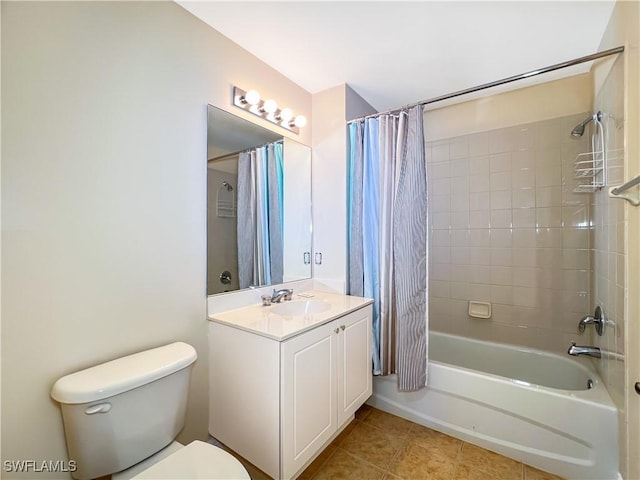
{"points": [[260, 215], [387, 240]]}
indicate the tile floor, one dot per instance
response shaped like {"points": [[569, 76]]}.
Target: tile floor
{"points": [[378, 445]]}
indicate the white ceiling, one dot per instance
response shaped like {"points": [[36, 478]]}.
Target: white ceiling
{"points": [[397, 53]]}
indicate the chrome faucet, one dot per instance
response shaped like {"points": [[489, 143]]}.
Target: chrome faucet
{"points": [[576, 350], [285, 293]]}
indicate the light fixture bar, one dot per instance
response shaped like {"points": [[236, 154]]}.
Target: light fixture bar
{"points": [[250, 101]]}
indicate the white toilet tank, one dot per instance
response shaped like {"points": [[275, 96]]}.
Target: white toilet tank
{"points": [[118, 413]]}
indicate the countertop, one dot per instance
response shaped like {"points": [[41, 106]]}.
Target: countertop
{"points": [[262, 321]]}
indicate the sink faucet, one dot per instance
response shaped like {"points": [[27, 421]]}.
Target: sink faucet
{"points": [[285, 293], [582, 350]]}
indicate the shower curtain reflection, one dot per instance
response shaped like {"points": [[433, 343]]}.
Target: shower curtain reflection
{"points": [[260, 215]]}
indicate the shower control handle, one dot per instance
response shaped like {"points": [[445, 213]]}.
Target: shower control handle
{"points": [[598, 321], [225, 277]]}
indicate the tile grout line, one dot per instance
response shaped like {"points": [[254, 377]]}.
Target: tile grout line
{"points": [[405, 441], [396, 454], [364, 460], [457, 460], [387, 469], [323, 463], [355, 421], [326, 460]]}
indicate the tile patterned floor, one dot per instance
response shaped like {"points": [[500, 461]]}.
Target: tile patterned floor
{"points": [[381, 446], [378, 445]]}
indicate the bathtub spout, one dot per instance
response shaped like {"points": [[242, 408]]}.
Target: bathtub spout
{"points": [[576, 350]]}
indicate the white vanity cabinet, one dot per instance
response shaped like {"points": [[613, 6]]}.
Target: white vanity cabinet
{"points": [[278, 402], [326, 377]]}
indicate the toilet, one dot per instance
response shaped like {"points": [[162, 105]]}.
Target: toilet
{"points": [[121, 418]]}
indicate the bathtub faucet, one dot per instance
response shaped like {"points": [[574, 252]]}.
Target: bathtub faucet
{"points": [[582, 350]]}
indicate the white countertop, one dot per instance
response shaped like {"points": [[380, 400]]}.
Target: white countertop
{"points": [[262, 321]]}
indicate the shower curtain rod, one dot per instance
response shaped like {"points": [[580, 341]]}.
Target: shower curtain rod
{"points": [[222, 157], [484, 86]]}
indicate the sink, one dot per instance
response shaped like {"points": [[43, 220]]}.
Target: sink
{"points": [[301, 307]]}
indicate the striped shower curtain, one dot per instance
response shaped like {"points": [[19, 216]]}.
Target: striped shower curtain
{"points": [[387, 240], [260, 216]]}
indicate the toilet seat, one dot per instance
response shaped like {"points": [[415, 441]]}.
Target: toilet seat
{"points": [[198, 460]]}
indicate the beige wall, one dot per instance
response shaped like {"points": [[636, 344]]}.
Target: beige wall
{"points": [[544, 101], [331, 108], [617, 88], [103, 194]]}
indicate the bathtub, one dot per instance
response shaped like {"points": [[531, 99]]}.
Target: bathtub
{"points": [[549, 411]]}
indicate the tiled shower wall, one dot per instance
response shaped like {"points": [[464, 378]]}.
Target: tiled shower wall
{"points": [[609, 251], [222, 253], [506, 228]]}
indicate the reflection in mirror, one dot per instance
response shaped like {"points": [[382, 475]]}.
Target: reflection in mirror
{"points": [[258, 205]]}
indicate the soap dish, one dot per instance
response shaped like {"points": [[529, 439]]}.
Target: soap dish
{"points": [[479, 309]]}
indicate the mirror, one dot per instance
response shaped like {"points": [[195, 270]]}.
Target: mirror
{"points": [[258, 205]]}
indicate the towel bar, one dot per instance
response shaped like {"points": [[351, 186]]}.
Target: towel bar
{"points": [[633, 198]]}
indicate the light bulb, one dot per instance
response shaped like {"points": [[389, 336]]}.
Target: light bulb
{"points": [[286, 114], [300, 121], [252, 97], [270, 106]]}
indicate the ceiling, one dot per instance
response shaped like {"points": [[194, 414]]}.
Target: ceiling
{"points": [[397, 53]]}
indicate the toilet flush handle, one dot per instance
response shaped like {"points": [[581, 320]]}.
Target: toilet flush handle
{"points": [[100, 408]]}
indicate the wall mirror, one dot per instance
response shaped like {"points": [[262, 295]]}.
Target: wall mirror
{"points": [[258, 205]]}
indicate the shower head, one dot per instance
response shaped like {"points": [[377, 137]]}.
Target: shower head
{"points": [[578, 131]]}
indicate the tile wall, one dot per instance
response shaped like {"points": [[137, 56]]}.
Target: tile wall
{"points": [[222, 253], [609, 253], [506, 228]]}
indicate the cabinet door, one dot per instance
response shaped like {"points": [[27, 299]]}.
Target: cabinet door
{"points": [[354, 362], [308, 395]]}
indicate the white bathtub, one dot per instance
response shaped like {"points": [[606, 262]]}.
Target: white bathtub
{"points": [[529, 405]]}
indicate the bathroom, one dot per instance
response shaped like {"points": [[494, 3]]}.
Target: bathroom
{"points": [[104, 244]]}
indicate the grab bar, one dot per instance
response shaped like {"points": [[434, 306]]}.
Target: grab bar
{"points": [[633, 198]]}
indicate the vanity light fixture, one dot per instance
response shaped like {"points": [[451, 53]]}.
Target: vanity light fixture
{"points": [[252, 97], [268, 109], [270, 106], [286, 114]]}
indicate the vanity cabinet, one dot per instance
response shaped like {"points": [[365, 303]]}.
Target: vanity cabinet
{"points": [[278, 403], [326, 377]]}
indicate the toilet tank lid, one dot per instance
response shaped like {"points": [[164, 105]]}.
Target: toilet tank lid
{"points": [[123, 374]]}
